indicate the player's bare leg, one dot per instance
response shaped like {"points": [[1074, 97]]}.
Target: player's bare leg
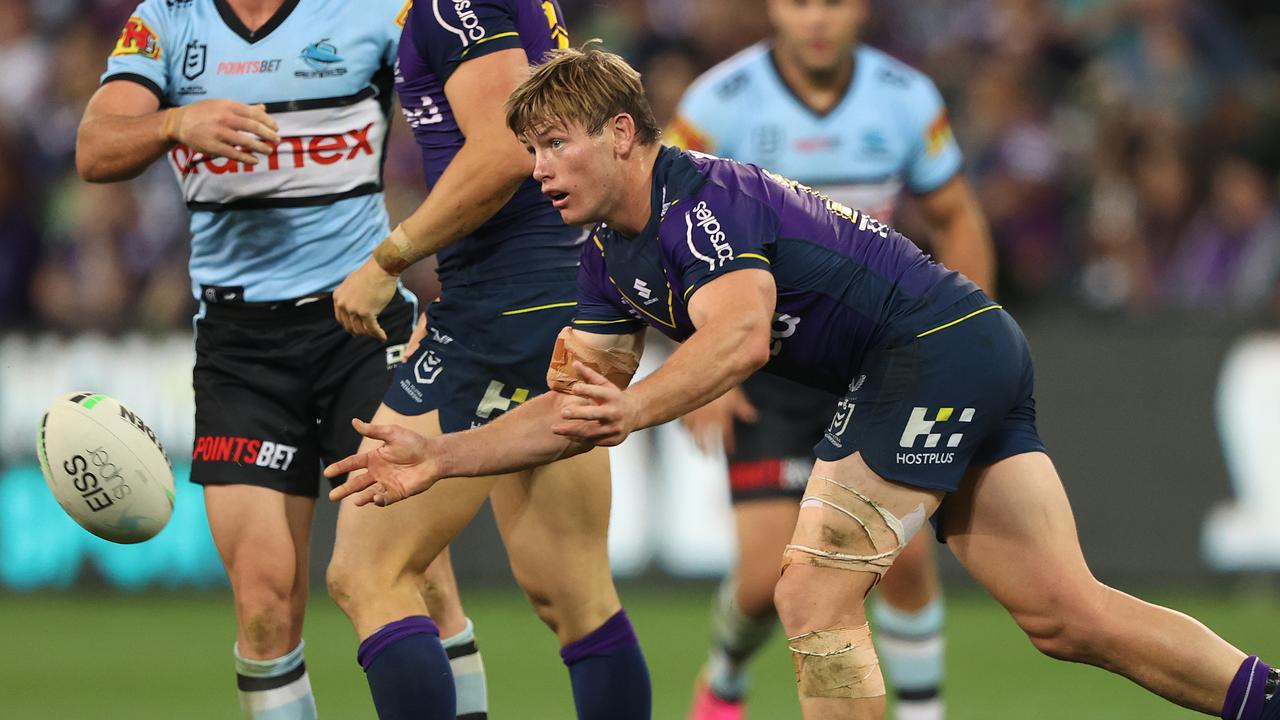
{"points": [[555, 523], [852, 524], [381, 556], [1012, 527], [907, 616], [263, 538], [458, 635]]}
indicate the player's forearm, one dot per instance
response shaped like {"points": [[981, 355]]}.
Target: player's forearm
{"points": [[479, 180], [110, 148], [713, 360], [963, 243], [519, 440]]}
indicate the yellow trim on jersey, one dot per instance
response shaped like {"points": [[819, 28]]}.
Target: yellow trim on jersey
{"points": [[603, 322], [960, 320], [757, 256], [536, 308], [482, 41]]}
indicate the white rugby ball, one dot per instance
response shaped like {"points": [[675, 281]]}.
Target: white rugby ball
{"points": [[105, 467]]}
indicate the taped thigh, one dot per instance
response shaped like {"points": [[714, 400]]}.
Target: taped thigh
{"points": [[836, 663], [850, 525]]}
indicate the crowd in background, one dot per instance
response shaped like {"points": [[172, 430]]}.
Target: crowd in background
{"points": [[1126, 152]]}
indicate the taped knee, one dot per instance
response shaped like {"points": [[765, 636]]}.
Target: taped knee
{"points": [[851, 524], [837, 663], [617, 365]]}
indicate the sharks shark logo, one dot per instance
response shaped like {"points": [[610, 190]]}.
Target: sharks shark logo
{"points": [[322, 57]]}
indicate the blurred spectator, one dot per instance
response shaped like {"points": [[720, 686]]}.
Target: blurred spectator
{"points": [[19, 238]]}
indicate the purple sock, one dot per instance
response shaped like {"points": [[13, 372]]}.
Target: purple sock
{"points": [[608, 673], [1246, 694], [408, 671]]}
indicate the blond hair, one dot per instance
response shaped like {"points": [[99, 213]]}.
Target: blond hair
{"points": [[586, 86]]}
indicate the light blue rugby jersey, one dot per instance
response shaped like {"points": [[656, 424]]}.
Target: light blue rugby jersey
{"points": [[304, 217], [889, 131]]}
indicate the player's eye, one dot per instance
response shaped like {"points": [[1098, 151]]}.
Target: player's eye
{"points": [[556, 143]]}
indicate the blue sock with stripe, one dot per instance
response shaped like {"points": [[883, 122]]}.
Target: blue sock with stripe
{"points": [[277, 689], [609, 676], [468, 674], [408, 671]]}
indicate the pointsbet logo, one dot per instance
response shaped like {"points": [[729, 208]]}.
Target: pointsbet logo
{"points": [[244, 451]]}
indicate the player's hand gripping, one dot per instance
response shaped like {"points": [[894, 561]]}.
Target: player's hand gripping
{"points": [[401, 467], [223, 128], [602, 414], [712, 424], [359, 299]]}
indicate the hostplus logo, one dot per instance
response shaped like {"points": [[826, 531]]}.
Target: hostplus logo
{"points": [[919, 426], [323, 58]]}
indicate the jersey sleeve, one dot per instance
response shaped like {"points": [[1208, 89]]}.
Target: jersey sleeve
{"points": [[704, 120], [448, 33], [935, 156], [598, 310], [141, 54], [717, 234], [395, 29]]}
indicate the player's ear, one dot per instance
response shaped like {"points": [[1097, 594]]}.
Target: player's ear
{"points": [[623, 127]]}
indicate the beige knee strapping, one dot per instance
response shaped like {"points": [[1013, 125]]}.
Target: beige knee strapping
{"points": [[836, 663], [854, 521]]}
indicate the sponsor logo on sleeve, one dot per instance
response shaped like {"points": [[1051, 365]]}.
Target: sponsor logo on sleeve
{"points": [[706, 221], [137, 38], [471, 30]]}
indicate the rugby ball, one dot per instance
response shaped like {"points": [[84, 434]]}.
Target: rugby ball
{"points": [[105, 467]]}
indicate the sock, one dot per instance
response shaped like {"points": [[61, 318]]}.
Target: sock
{"points": [[734, 639], [408, 671], [1254, 684], [608, 673], [276, 689], [911, 650], [468, 674]]}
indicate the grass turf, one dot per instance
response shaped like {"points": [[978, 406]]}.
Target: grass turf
{"points": [[138, 657]]}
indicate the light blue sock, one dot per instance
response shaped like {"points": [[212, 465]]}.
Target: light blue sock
{"points": [[276, 689], [911, 647], [468, 674]]}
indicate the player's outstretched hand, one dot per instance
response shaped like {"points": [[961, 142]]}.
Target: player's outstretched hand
{"points": [[604, 415], [712, 424], [400, 468], [359, 299], [223, 128]]}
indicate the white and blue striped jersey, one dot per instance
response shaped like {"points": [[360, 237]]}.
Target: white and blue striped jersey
{"points": [[889, 131], [308, 214]]}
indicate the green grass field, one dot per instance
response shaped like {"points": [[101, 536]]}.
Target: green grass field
{"points": [[139, 657]]}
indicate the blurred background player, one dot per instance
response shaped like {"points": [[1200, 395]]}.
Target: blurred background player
{"points": [[507, 265], [816, 106], [286, 199]]}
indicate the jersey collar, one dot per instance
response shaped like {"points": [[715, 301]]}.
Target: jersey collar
{"points": [[844, 95], [252, 36]]}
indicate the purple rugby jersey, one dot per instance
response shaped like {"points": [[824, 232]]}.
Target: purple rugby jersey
{"points": [[526, 235], [845, 280]]}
